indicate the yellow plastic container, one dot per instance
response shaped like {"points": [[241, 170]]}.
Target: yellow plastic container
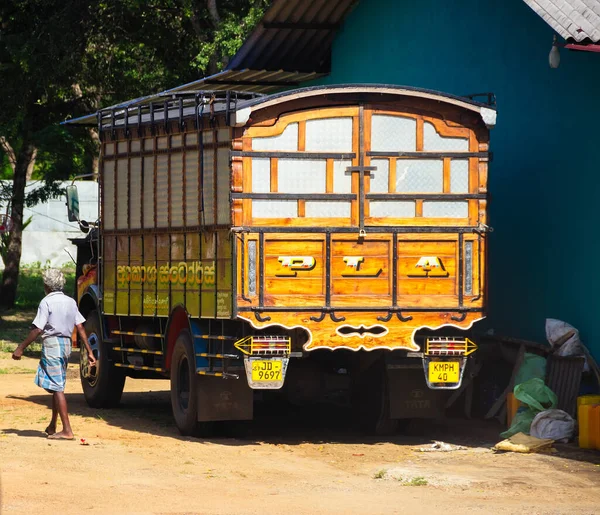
{"points": [[512, 405], [588, 399], [595, 426], [588, 417]]}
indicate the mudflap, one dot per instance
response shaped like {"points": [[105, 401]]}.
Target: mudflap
{"points": [[409, 395], [224, 399]]}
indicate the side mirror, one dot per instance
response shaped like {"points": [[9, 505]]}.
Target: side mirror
{"points": [[72, 203]]}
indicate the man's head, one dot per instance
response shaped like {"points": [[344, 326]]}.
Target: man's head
{"points": [[54, 280]]}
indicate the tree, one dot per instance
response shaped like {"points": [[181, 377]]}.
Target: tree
{"points": [[63, 58]]}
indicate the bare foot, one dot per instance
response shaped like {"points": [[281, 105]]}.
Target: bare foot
{"points": [[61, 436], [50, 430]]}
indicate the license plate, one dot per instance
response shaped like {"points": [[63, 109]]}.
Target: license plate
{"points": [[444, 372], [266, 370]]}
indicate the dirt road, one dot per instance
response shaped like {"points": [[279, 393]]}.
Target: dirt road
{"points": [[136, 462]]}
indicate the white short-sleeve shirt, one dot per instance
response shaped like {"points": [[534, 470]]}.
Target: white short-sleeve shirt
{"points": [[57, 315]]}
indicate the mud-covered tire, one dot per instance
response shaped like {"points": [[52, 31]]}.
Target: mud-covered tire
{"points": [[184, 381], [103, 385]]}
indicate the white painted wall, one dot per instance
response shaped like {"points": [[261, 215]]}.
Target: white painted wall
{"points": [[47, 236]]}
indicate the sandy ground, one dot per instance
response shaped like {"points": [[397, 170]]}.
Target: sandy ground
{"points": [[290, 462]]}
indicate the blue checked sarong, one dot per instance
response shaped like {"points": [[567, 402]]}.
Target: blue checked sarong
{"points": [[52, 371]]}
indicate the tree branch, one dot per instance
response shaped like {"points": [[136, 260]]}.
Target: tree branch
{"points": [[9, 151]]}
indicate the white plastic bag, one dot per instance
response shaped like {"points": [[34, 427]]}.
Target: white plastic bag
{"points": [[563, 337], [555, 424]]}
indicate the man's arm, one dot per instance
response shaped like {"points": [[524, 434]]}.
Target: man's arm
{"points": [[84, 339], [33, 334]]}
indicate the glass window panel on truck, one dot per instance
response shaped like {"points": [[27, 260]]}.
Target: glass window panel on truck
{"points": [[250, 242]]}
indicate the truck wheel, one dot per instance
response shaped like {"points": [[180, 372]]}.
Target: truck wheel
{"points": [[184, 398], [103, 384]]}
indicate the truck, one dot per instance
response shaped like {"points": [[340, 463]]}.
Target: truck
{"points": [[318, 239]]}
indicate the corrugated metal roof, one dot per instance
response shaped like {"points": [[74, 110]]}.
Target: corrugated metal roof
{"points": [[574, 20], [253, 81], [294, 35]]}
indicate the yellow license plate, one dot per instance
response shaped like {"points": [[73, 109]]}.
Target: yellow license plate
{"points": [[444, 372], [266, 370]]}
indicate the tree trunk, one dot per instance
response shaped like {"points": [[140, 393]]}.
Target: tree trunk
{"points": [[216, 58], [31, 165], [10, 277], [214, 13]]}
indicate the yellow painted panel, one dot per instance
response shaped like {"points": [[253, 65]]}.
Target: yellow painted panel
{"points": [[162, 303], [109, 302], [192, 304], [208, 304], [177, 297], [224, 300], [135, 303], [149, 302], [122, 302]]}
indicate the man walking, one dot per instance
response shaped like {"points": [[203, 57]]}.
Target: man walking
{"points": [[56, 317]]}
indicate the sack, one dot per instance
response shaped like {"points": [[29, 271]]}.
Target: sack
{"points": [[535, 397], [563, 337], [555, 424], [532, 366]]}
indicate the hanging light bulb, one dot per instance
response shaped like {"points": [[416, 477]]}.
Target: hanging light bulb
{"points": [[554, 57]]}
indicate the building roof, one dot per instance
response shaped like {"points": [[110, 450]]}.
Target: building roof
{"points": [[575, 20], [294, 35]]}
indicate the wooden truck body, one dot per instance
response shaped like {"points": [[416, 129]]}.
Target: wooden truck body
{"points": [[239, 236]]}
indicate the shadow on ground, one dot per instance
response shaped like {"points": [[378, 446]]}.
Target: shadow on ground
{"points": [[150, 412], [30, 433]]}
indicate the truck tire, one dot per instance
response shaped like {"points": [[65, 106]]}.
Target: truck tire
{"points": [[184, 380], [103, 384]]}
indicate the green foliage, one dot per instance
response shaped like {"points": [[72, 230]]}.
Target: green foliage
{"points": [[31, 284], [65, 58], [228, 38]]}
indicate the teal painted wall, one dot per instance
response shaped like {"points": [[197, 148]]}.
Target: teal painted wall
{"points": [[545, 176]]}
